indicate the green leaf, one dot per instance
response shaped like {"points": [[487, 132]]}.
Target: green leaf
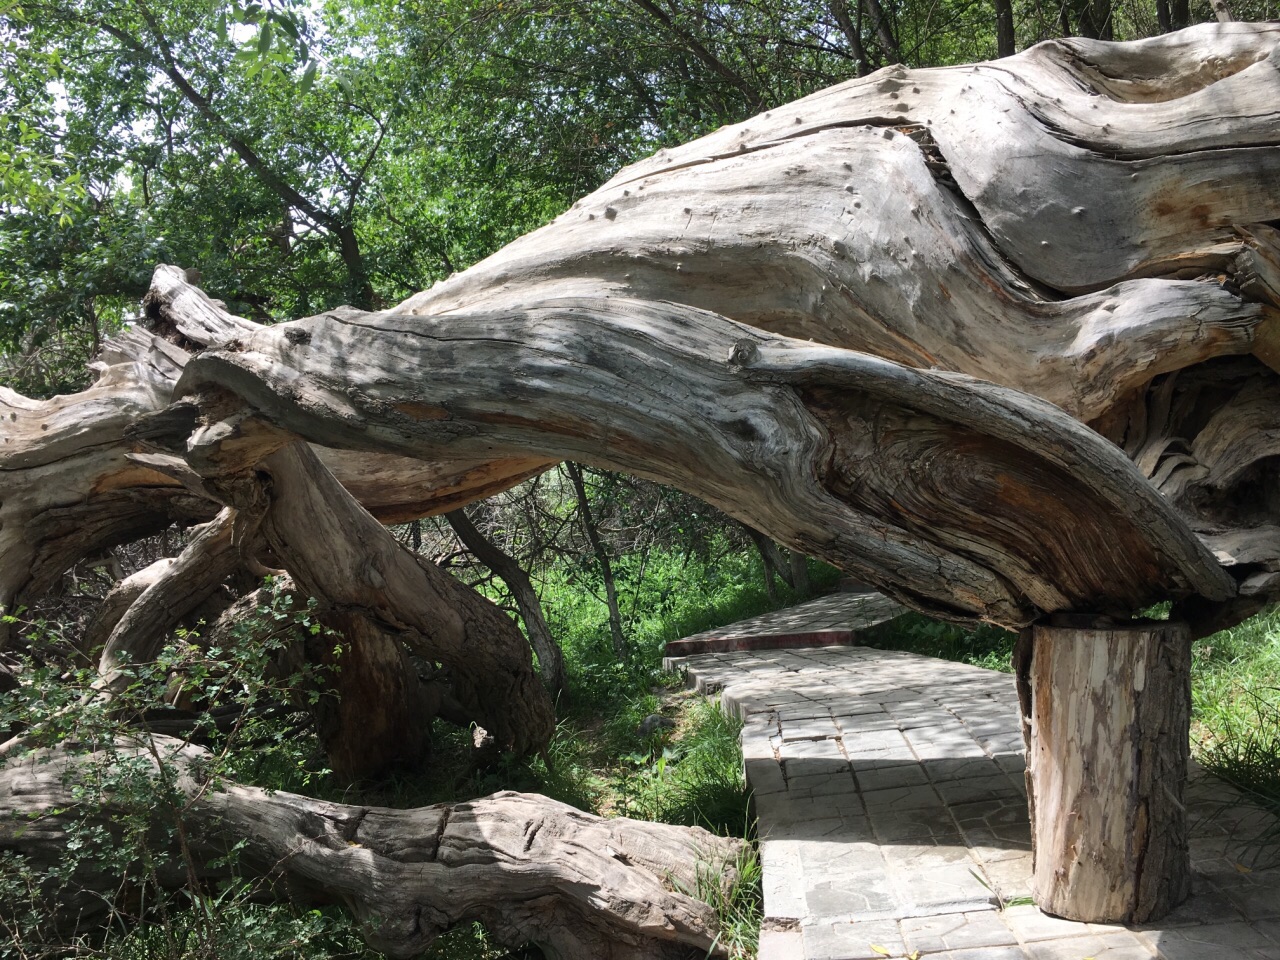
{"points": [[308, 78]]}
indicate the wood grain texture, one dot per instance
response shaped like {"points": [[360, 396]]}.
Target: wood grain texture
{"points": [[381, 597], [1079, 222], [759, 425], [1109, 728], [75, 480]]}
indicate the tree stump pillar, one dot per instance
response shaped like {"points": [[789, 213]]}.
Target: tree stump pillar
{"points": [[1106, 716]]}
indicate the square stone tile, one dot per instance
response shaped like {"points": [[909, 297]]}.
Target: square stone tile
{"points": [[883, 778], [823, 785], [980, 953], [855, 940], [785, 944], [956, 931], [764, 775], [1009, 877], [1030, 925], [956, 749], [815, 729], [1012, 762], [944, 769], [872, 897], [1109, 946], [979, 789], [938, 885], [812, 750], [1207, 904], [897, 826], [1212, 941], [850, 859], [783, 881], [795, 767], [1256, 900], [918, 797]]}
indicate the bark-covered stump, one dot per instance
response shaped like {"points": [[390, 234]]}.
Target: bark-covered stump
{"points": [[1106, 713]]}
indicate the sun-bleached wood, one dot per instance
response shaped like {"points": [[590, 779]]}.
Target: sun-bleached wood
{"points": [[529, 868], [936, 487], [1000, 339], [76, 480], [385, 598], [1108, 714]]}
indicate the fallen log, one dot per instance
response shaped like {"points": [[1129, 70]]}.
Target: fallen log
{"points": [[529, 868]]}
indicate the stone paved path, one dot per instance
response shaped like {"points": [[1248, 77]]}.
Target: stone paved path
{"points": [[892, 816]]}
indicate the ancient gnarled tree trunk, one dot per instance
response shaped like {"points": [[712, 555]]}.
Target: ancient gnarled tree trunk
{"points": [[1001, 339]]}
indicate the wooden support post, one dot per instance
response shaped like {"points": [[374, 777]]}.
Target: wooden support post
{"points": [[1106, 715]]}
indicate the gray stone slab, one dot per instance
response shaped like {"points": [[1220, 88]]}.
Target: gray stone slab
{"points": [[956, 931], [871, 779], [979, 789], [781, 944], [936, 878], [1258, 898], [921, 796], [813, 766], [858, 940], [823, 784], [900, 779], [981, 953], [896, 826], [873, 898], [1030, 925], [1109, 946], [1214, 941]]}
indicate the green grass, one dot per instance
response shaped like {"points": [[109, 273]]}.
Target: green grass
{"points": [[669, 597], [691, 777], [983, 646], [1235, 691]]}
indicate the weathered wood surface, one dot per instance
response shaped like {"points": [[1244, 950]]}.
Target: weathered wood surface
{"points": [[387, 598], [934, 486], [1005, 220], [73, 484], [999, 339], [1080, 222], [1108, 713], [529, 868]]}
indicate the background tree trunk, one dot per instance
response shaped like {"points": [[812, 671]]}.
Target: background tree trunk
{"points": [[1006, 43], [602, 560], [550, 659]]}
